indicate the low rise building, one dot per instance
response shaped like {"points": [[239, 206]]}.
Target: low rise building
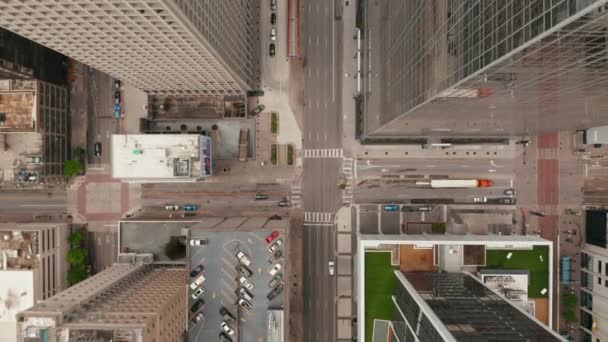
{"points": [[455, 288], [34, 132], [33, 268], [161, 157], [134, 300]]}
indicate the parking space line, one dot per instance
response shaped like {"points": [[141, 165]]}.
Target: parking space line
{"points": [[230, 276], [229, 295]]}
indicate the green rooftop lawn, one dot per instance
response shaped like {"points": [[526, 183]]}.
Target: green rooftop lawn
{"points": [[524, 260], [380, 282]]}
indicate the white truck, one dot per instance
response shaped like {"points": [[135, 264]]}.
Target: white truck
{"points": [[457, 183]]}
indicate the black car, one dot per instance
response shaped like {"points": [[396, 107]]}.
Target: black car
{"points": [[275, 280], [199, 303], [224, 337], [506, 200], [272, 50], [273, 19], [198, 269], [255, 93], [275, 292], [425, 208], [98, 150], [244, 270], [276, 256]]}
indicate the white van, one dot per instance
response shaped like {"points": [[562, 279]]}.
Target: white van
{"points": [[197, 282]]}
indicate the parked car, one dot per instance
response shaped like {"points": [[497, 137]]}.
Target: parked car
{"points": [[391, 207], [195, 271], [97, 148], [117, 97], [275, 292], [197, 305], [117, 112], [273, 19], [172, 207], [189, 214], [284, 203], [198, 292], [198, 318], [273, 34], [480, 199], [243, 270], [275, 245], [276, 256], [272, 50], [255, 93], [243, 258], [227, 328], [226, 315], [276, 268], [244, 304], [261, 197], [275, 280], [506, 200], [273, 5], [33, 160], [197, 282], [257, 110], [330, 265], [509, 192], [275, 217], [246, 282], [117, 85], [190, 207], [199, 242], [272, 236], [224, 338], [245, 294]]}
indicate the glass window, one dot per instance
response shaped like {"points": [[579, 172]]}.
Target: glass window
{"points": [[599, 281], [53, 243], [586, 300], [42, 241], [599, 266], [586, 261], [586, 320]]}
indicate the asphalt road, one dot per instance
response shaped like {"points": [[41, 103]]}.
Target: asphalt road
{"points": [[320, 192], [20, 206], [101, 122]]}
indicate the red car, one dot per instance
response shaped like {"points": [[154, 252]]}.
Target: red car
{"points": [[272, 236]]}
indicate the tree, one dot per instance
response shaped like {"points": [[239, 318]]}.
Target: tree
{"points": [[570, 316], [76, 238], [72, 168], [569, 301], [76, 274], [175, 248], [78, 152], [77, 256]]}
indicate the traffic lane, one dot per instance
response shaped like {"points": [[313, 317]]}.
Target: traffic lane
{"points": [[33, 201], [368, 218], [376, 192], [321, 180], [434, 165], [102, 248]]}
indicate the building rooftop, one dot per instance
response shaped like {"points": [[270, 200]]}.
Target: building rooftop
{"points": [[17, 106], [160, 157], [16, 294], [19, 248]]}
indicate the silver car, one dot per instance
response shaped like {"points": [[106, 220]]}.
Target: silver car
{"points": [[246, 283]]}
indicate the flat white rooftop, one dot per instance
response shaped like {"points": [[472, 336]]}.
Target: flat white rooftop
{"points": [[156, 157], [17, 293]]}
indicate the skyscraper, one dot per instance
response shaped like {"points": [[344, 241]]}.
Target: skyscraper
{"points": [[484, 67], [134, 300], [168, 47]]}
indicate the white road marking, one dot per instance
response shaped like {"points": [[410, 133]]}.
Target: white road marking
{"points": [[323, 153], [42, 205]]}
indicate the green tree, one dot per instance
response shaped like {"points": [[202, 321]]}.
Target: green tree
{"points": [[77, 256], [569, 301], [76, 274], [72, 168], [175, 248], [76, 238], [570, 316], [78, 152]]}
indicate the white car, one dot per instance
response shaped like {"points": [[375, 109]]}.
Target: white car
{"points": [[275, 245], [198, 242], [275, 269], [331, 267], [480, 200], [245, 294], [227, 328], [197, 282], [198, 292], [246, 283], [198, 318], [243, 258], [172, 207], [273, 34]]}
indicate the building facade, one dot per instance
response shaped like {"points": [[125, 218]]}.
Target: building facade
{"points": [[35, 268], [484, 68], [593, 296], [172, 47], [134, 300]]}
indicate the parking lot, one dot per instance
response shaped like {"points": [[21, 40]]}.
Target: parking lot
{"points": [[219, 261]]}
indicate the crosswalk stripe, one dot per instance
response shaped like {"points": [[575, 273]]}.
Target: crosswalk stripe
{"points": [[323, 153], [316, 217]]}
